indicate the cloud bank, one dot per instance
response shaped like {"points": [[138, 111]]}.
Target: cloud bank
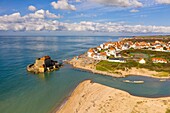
{"points": [[163, 1], [34, 21], [119, 3], [43, 20]]}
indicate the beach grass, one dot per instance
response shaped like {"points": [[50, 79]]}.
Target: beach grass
{"points": [[162, 74]]}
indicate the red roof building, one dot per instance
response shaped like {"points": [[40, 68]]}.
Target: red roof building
{"points": [[159, 60]]}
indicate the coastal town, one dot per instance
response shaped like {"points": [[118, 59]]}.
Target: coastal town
{"points": [[111, 51], [128, 56]]}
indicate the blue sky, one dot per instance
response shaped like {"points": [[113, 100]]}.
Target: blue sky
{"points": [[112, 16]]}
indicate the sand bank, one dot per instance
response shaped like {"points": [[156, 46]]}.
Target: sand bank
{"points": [[96, 98]]}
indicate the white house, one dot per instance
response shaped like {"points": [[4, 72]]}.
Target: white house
{"points": [[99, 48], [103, 56], [133, 46], [90, 52], [142, 61], [106, 46], [112, 50], [159, 48], [107, 53], [124, 47], [95, 56], [102, 46]]}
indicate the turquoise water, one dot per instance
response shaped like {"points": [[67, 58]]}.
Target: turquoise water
{"points": [[23, 92]]}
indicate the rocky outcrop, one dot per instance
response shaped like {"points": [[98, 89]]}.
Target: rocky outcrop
{"points": [[43, 64]]}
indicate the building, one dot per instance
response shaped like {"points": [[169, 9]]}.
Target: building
{"points": [[121, 60], [159, 48], [43, 64], [159, 60], [99, 48], [142, 61], [103, 56], [42, 69], [106, 46], [112, 50], [102, 46], [90, 52], [44, 61]]}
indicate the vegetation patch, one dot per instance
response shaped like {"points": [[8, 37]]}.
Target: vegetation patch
{"points": [[163, 74], [131, 54], [167, 111]]}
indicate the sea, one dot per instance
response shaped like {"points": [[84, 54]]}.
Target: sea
{"points": [[24, 92]]}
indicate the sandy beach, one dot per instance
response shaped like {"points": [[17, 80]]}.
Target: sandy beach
{"points": [[91, 97], [89, 64]]}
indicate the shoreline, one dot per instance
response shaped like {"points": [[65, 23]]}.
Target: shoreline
{"points": [[64, 101], [89, 96], [76, 63], [99, 72]]}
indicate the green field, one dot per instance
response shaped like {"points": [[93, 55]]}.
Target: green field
{"points": [[147, 53], [159, 67]]}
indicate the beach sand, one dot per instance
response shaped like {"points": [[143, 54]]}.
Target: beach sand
{"points": [[91, 97]]}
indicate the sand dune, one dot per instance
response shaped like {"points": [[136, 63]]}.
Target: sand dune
{"points": [[96, 98]]}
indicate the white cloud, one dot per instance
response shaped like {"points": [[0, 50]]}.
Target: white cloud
{"points": [[134, 11], [163, 1], [37, 14], [119, 3], [40, 20], [51, 15], [43, 21], [32, 8], [15, 17], [63, 5], [114, 27], [41, 14]]}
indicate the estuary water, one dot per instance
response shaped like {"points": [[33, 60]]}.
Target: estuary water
{"points": [[24, 92]]}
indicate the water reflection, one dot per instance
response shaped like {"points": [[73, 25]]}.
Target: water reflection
{"points": [[44, 76]]}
